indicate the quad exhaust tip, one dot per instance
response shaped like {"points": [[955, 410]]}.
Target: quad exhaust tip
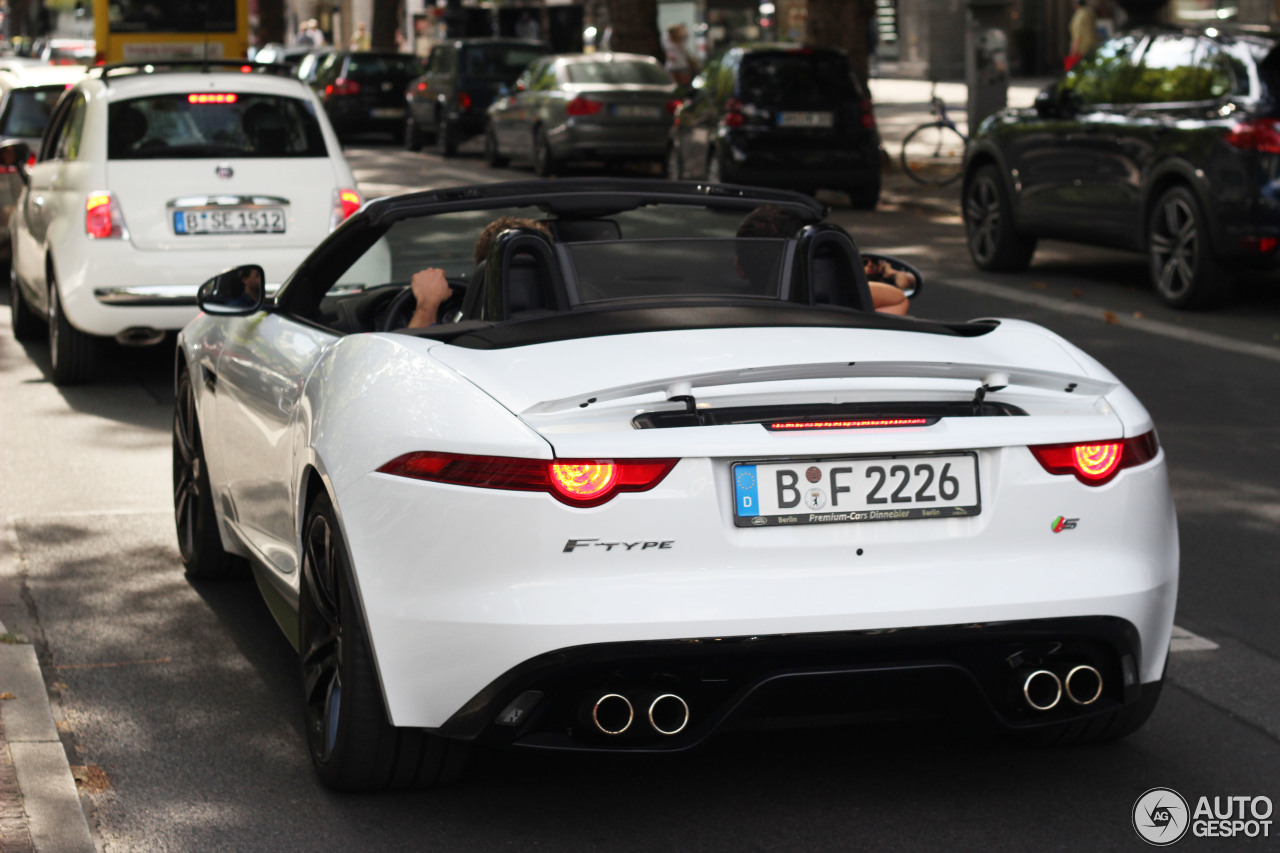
{"points": [[1042, 689], [612, 713], [1083, 685], [668, 714]]}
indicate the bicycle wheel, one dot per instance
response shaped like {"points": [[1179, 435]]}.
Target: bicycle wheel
{"points": [[933, 154]]}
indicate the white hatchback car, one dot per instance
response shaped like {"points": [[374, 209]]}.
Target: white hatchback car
{"points": [[147, 181]]}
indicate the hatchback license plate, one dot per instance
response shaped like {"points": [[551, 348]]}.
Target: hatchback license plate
{"points": [[825, 491], [229, 220], [386, 112], [806, 120]]}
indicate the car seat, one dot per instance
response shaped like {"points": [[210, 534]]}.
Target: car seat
{"points": [[266, 129], [827, 270]]}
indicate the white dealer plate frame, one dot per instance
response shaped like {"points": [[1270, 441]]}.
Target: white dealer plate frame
{"points": [[924, 472]]}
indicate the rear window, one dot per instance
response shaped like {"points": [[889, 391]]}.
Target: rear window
{"points": [[797, 79], [612, 73], [209, 124], [380, 67], [501, 62], [27, 111], [196, 16]]}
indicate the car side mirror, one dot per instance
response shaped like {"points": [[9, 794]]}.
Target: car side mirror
{"points": [[895, 271], [13, 159], [239, 291]]}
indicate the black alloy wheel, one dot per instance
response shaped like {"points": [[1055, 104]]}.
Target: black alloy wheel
{"points": [[1183, 269], [199, 541], [26, 325], [72, 353], [492, 154], [994, 242], [413, 138], [352, 744], [544, 162]]}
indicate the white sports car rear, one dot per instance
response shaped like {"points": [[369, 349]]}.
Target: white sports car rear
{"points": [[656, 473]]}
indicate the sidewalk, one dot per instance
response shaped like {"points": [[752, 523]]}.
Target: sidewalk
{"points": [[901, 105]]}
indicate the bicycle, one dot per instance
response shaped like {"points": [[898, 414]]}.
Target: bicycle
{"points": [[933, 153]]}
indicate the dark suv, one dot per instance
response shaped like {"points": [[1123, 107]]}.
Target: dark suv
{"points": [[1162, 140], [450, 102], [363, 92], [779, 116]]}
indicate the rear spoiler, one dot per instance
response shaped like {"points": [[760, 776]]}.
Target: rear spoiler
{"points": [[992, 378]]}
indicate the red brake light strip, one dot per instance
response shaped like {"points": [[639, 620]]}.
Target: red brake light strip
{"points": [[782, 426]]}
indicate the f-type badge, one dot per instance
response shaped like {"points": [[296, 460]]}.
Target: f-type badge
{"points": [[643, 545], [224, 170]]}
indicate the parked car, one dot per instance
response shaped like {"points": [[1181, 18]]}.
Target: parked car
{"points": [[28, 94], [780, 116], [146, 178], [281, 54], [646, 479], [363, 92], [449, 103], [1163, 140], [599, 106], [309, 64]]}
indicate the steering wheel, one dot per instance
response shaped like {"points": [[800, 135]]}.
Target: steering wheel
{"points": [[399, 311]]}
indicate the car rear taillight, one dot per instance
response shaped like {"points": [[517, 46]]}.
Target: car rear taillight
{"points": [[345, 203], [581, 106], [673, 105], [102, 217], [99, 58], [464, 101], [342, 86], [576, 482], [1096, 464], [1256, 134], [868, 116], [733, 113]]}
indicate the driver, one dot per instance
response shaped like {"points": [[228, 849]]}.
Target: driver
{"points": [[431, 288]]}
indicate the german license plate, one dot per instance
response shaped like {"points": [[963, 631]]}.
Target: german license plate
{"points": [[636, 111], [806, 119], [826, 491], [230, 220], [387, 112]]}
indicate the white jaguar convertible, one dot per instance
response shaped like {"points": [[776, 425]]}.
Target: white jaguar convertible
{"points": [[658, 470]]}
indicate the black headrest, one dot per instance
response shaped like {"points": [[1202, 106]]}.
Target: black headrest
{"points": [[522, 275], [473, 298], [828, 269]]}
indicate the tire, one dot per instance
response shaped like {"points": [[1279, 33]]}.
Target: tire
{"points": [[544, 162], [1117, 724], [413, 138], [865, 196], [492, 156], [715, 168], [446, 138], [353, 746], [1183, 269], [674, 167], [26, 325], [73, 353], [994, 242], [199, 541], [933, 154]]}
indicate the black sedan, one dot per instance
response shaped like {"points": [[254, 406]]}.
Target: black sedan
{"points": [[363, 92]]}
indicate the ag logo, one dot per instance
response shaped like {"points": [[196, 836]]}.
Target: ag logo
{"points": [[1160, 816], [1060, 524]]}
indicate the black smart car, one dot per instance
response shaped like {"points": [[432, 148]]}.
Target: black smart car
{"points": [[1163, 140], [449, 103], [779, 116]]}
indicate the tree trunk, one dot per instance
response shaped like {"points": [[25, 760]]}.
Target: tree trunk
{"points": [[635, 27], [270, 21], [19, 18], [382, 35], [844, 24]]}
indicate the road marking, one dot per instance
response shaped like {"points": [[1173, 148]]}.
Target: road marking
{"points": [[1155, 327], [1182, 640]]}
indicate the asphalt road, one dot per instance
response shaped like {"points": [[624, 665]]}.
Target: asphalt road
{"points": [[188, 698]]}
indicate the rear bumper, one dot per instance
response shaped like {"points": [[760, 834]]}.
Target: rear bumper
{"points": [[585, 141], [449, 616], [800, 166]]}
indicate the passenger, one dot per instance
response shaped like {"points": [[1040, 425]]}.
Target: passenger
{"points": [[431, 287]]}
